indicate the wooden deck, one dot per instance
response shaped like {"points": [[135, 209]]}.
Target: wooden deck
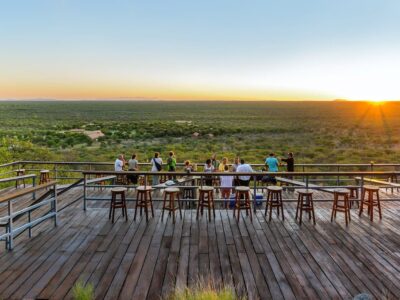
{"points": [[138, 260]]}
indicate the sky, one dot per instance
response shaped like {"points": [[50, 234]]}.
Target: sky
{"points": [[200, 50]]}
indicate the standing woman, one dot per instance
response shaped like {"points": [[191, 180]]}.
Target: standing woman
{"points": [[208, 168], [156, 163]]}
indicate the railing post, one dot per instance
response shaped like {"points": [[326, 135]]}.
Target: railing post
{"points": [[255, 193], [34, 184], [10, 226], [84, 191], [55, 205]]}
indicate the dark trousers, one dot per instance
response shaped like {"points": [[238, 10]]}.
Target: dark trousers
{"points": [[244, 182]]}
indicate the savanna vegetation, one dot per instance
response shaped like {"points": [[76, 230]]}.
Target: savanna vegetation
{"points": [[324, 132]]}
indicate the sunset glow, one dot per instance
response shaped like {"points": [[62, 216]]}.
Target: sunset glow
{"points": [[266, 50]]}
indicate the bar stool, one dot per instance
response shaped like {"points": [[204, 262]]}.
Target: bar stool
{"points": [[206, 199], [305, 202], [44, 176], [189, 192], [370, 201], [171, 192], [144, 200], [242, 201], [118, 204], [274, 199], [353, 195], [341, 207], [20, 172]]}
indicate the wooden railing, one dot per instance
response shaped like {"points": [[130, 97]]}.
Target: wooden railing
{"points": [[65, 172], [8, 220]]}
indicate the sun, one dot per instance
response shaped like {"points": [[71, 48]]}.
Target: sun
{"points": [[377, 102]]}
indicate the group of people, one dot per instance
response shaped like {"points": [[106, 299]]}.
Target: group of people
{"points": [[212, 165]]}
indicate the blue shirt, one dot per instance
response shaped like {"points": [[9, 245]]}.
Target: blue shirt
{"points": [[272, 163]]}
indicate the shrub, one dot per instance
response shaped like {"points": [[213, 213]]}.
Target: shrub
{"points": [[83, 292]]}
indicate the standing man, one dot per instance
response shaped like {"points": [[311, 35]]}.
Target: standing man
{"points": [[244, 168], [119, 163], [272, 163], [289, 162]]}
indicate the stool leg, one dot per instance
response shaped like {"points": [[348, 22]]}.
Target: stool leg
{"points": [[238, 199], [379, 205], [137, 203], [199, 204], [371, 206], [334, 206], [249, 206], [163, 208], [126, 211], [111, 205], [213, 204], [301, 210], [297, 208], [362, 202], [266, 204], [312, 208], [270, 207], [281, 204], [179, 204], [146, 210], [172, 206], [151, 204], [348, 207], [113, 210]]}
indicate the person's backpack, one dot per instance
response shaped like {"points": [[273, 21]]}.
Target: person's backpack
{"points": [[158, 166]]}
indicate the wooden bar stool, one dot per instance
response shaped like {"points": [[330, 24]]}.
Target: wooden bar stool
{"points": [[171, 206], [353, 195], [121, 203], [20, 172], [274, 199], [341, 204], [370, 190], [206, 199], [305, 203], [44, 176], [242, 201], [189, 192], [144, 201]]}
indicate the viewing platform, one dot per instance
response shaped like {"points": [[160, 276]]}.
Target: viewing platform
{"points": [[139, 259]]}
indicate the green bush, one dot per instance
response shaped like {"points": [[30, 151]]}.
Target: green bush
{"points": [[83, 292]]}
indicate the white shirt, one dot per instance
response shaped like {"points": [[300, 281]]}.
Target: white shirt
{"points": [[158, 160], [226, 181], [244, 168], [119, 164], [209, 169]]}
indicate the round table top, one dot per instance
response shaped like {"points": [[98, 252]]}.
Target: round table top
{"points": [[304, 191], [172, 190], [274, 188], [44, 171], [242, 188], [118, 189], [20, 170], [206, 188], [371, 187]]}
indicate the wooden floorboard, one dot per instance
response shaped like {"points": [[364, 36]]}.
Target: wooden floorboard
{"points": [[259, 259]]}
